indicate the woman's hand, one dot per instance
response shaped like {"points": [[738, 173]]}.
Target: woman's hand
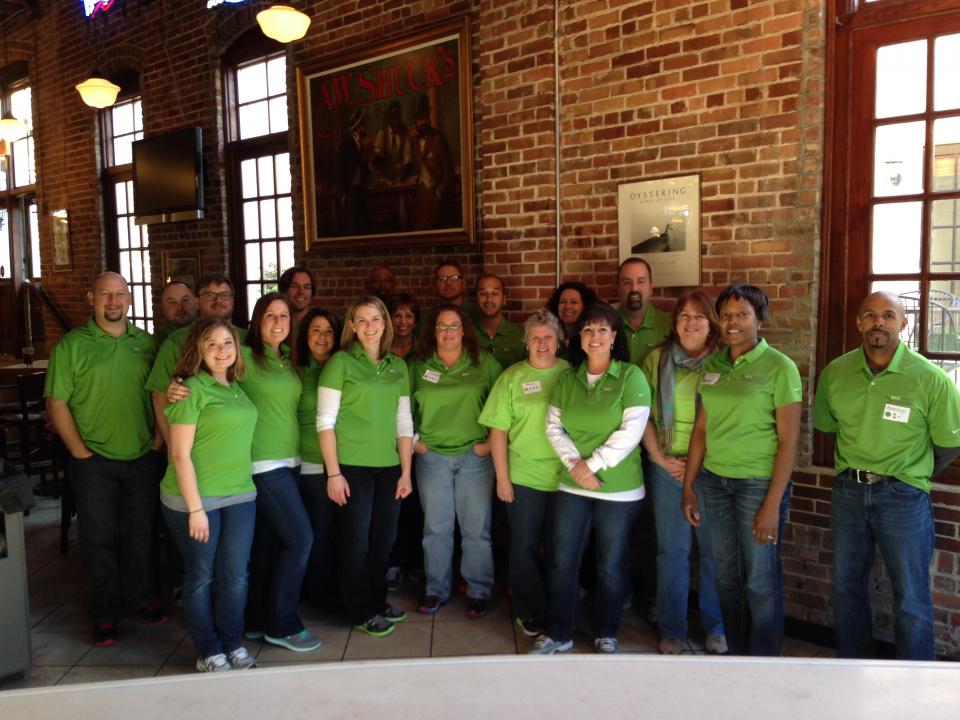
{"points": [[505, 490], [676, 466], [176, 390], [338, 489], [766, 524], [482, 449], [690, 505], [404, 486], [198, 526], [419, 448], [584, 477]]}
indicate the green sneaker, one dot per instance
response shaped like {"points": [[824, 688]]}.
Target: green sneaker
{"points": [[377, 626], [393, 614]]}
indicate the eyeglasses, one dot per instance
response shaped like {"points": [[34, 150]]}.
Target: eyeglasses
{"points": [[211, 296], [443, 327], [449, 278]]}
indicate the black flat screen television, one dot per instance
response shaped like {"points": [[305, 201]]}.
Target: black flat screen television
{"points": [[168, 177]]}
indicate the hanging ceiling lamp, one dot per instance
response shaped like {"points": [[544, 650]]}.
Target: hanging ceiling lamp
{"points": [[283, 23], [98, 92]]}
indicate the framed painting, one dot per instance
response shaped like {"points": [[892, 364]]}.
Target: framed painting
{"points": [[386, 135]]}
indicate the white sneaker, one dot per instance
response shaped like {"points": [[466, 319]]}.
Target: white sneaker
{"points": [[214, 663], [545, 645], [606, 645], [240, 659], [716, 644]]}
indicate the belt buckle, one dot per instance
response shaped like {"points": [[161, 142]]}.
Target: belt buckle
{"points": [[865, 477]]}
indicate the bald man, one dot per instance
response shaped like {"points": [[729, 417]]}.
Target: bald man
{"points": [[96, 398], [896, 420]]}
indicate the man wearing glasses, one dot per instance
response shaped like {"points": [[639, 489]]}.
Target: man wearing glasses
{"points": [[450, 283]]}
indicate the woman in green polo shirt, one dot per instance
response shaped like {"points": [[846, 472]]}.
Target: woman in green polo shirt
{"points": [[673, 371], [366, 436], [450, 381], [741, 455], [595, 421], [317, 340], [208, 495], [527, 468]]}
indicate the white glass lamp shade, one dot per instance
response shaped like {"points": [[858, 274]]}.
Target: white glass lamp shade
{"points": [[98, 92], [283, 23]]}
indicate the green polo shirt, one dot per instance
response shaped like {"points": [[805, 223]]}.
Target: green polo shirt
{"points": [[446, 402], [655, 328], [307, 412], [224, 419], [160, 334], [169, 355], [101, 379], [370, 394], [506, 345], [589, 415], [684, 401], [275, 390], [888, 423], [741, 399], [518, 406]]}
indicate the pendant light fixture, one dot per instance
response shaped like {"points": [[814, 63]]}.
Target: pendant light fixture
{"points": [[11, 129], [283, 23], [98, 92]]}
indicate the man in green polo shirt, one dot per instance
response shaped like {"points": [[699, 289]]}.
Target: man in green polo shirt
{"points": [[498, 336], [450, 284], [646, 327], [896, 419], [95, 397]]}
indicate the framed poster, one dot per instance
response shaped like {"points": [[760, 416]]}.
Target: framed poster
{"points": [[386, 139], [60, 229], [660, 222], [181, 266]]}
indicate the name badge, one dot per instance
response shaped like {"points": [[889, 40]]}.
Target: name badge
{"points": [[431, 376], [896, 413], [711, 378], [532, 387]]}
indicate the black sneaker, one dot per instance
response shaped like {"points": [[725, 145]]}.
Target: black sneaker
{"points": [[393, 614], [104, 634], [476, 608], [530, 628], [377, 627], [430, 604]]}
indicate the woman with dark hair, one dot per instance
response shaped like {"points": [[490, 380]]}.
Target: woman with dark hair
{"points": [[317, 340], [449, 382], [595, 421], [207, 493], [567, 304], [673, 371], [405, 314], [741, 455], [366, 435]]}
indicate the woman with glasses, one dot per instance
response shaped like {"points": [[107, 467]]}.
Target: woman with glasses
{"points": [[595, 420], [673, 371], [741, 455], [450, 382], [366, 436]]}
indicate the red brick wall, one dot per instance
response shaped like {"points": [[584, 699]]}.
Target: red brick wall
{"points": [[729, 89]]}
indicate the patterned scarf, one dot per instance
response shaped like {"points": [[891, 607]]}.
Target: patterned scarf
{"points": [[672, 357]]}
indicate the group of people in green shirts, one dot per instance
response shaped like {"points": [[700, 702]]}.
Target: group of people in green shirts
{"points": [[288, 445]]}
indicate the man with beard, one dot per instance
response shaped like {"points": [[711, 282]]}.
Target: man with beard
{"points": [[96, 399], [297, 285], [179, 308], [646, 326], [381, 282], [896, 419], [498, 336]]}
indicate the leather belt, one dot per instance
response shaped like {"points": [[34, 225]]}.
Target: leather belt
{"points": [[865, 477]]}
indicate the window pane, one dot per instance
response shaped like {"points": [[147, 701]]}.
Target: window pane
{"points": [[253, 294], [253, 262], [284, 217], [123, 239], [134, 232], [286, 254], [270, 261], [123, 150], [946, 151], [942, 321], [253, 120], [283, 173], [248, 176], [278, 114], [265, 173], [945, 236], [909, 294], [136, 266], [34, 221], [898, 159], [946, 60], [251, 221], [122, 116], [22, 162], [5, 270], [20, 106], [251, 82], [268, 219], [138, 116], [277, 76], [901, 79], [895, 247], [125, 264], [120, 195]]}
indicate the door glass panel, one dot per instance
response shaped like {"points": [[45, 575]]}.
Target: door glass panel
{"points": [[946, 152], [253, 261], [901, 79], [898, 159], [909, 293], [34, 222], [946, 61], [945, 236], [895, 246], [5, 270]]}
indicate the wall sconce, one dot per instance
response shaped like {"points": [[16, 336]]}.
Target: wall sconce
{"points": [[283, 23], [98, 92]]}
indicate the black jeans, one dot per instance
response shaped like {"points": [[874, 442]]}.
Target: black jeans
{"points": [[368, 527], [320, 587], [116, 502]]}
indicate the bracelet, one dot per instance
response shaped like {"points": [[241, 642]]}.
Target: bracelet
{"points": [[191, 512], [334, 475]]}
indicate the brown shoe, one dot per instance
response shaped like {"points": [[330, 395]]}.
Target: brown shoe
{"points": [[671, 646]]}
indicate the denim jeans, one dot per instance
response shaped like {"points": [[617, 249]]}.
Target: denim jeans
{"points": [[278, 561], [215, 575], [674, 543], [749, 575], [116, 502], [899, 519], [368, 527], [456, 488], [320, 586], [531, 528], [573, 518]]}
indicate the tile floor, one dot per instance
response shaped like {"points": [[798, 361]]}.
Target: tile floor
{"points": [[63, 653]]}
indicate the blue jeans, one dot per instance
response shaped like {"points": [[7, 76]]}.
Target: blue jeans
{"points": [[573, 518], [674, 543], [456, 488], [531, 528], [215, 575], [749, 575], [899, 519], [278, 561], [320, 585]]}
